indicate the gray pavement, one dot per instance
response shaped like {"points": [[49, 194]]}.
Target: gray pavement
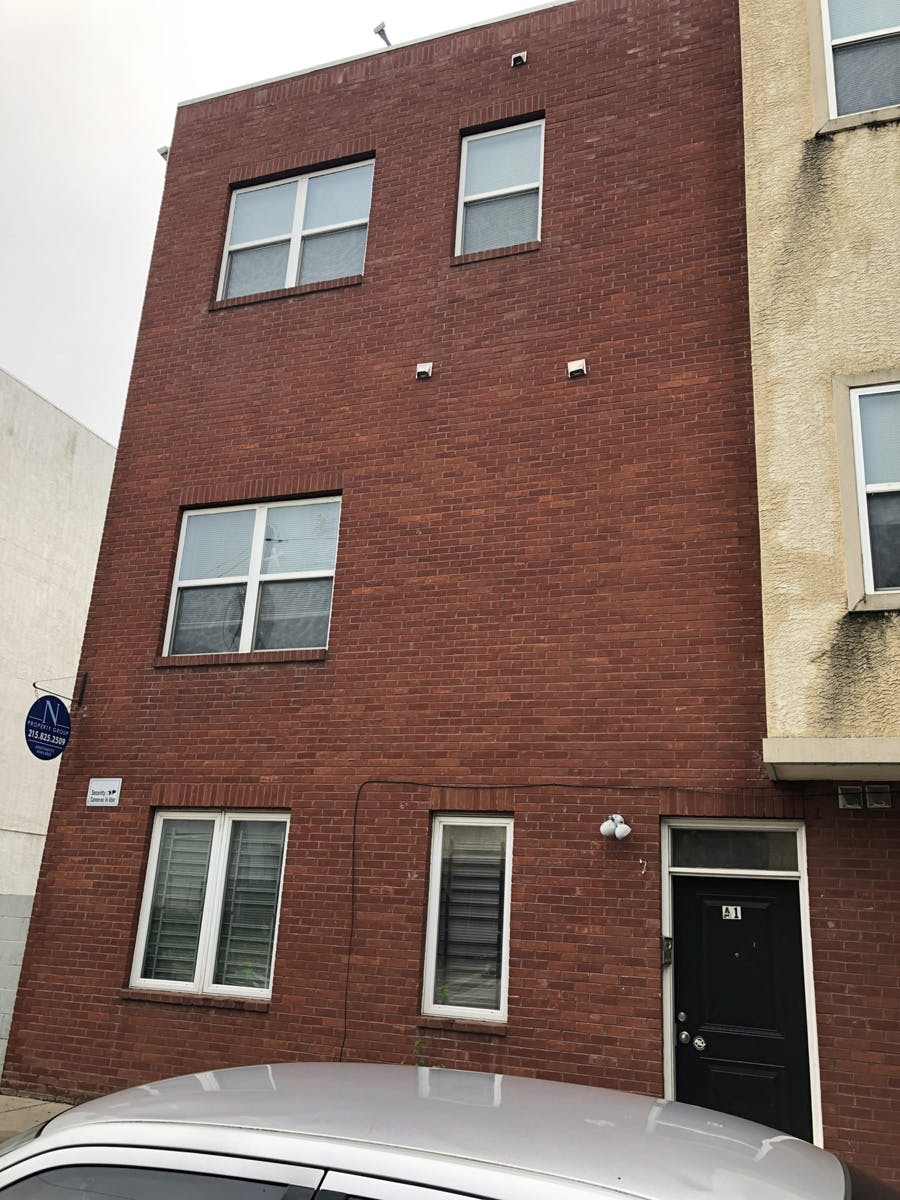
{"points": [[18, 1113]]}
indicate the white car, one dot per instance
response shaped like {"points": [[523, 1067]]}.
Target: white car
{"points": [[324, 1131]]}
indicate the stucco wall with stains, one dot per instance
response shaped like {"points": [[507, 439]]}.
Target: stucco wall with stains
{"points": [[823, 214]]}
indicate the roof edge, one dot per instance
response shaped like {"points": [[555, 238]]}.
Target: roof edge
{"points": [[338, 62]]}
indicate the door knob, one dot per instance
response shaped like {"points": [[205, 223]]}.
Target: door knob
{"points": [[684, 1037], [699, 1043]]}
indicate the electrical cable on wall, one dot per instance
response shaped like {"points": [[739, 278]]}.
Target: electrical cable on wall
{"points": [[608, 785]]}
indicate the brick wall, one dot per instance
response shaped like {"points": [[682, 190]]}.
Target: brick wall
{"points": [[854, 880], [545, 592]]}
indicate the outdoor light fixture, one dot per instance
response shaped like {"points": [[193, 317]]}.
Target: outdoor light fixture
{"points": [[850, 797], [577, 368], [423, 370], [878, 795], [379, 29], [615, 826], [520, 59]]}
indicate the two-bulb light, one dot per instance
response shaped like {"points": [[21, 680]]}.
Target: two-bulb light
{"points": [[615, 826]]}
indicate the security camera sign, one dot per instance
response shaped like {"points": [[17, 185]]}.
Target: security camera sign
{"points": [[47, 727], [103, 793]]}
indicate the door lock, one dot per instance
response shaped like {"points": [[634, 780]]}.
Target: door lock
{"points": [[699, 1043], [684, 1037]]}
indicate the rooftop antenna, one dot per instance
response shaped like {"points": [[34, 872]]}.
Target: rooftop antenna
{"points": [[379, 29]]}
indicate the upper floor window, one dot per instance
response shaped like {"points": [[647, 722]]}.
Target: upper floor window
{"points": [[864, 38], [304, 230], [500, 188], [467, 933], [875, 417], [254, 578]]}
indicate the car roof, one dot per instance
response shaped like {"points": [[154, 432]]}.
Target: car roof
{"points": [[634, 1145]]}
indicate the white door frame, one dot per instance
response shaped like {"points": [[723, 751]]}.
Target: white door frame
{"points": [[667, 871]]}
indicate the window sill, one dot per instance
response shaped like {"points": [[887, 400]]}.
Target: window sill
{"points": [[254, 658], [460, 260], [875, 116], [304, 289], [886, 601], [194, 999], [463, 1025]]}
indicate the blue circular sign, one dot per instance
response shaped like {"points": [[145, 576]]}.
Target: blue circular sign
{"points": [[47, 727]]}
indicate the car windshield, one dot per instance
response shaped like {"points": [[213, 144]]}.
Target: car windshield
{"points": [[21, 1139]]}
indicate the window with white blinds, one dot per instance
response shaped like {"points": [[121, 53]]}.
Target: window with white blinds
{"points": [[467, 936], [864, 64], [254, 578], [875, 417], [308, 229], [500, 188], [210, 913]]}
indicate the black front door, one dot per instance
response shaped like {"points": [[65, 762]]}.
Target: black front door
{"points": [[740, 1010]]}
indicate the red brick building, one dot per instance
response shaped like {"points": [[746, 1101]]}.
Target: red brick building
{"points": [[432, 545]]}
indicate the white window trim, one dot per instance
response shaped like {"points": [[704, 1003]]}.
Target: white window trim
{"points": [[440, 822], [864, 490], [861, 592], [464, 199], [253, 578], [202, 983], [872, 35], [297, 234]]}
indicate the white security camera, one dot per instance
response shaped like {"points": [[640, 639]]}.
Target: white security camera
{"points": [[423, 370]]}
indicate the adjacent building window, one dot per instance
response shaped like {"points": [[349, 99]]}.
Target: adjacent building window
{"points": [[500, 188], [875, 417], [467, 937], [210, 911], [254, 578], [864, 38], [304, 230]]}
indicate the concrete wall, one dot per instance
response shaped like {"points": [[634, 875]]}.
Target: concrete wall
{"points": [[824, 258], [53, 490]]}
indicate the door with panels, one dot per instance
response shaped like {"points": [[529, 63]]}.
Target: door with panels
{"points": [[739, 1013]]}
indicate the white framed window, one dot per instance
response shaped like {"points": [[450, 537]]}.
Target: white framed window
{"points": [[258, 577], [209, 917], [875, 422], [863, 54], [303, 230], [500, 188], [467, 932]]}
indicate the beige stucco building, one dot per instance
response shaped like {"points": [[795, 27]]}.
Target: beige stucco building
{"points": [[822, 143], [54, 485]]}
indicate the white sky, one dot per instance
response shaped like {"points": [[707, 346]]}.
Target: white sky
{"points": [[88, 90]]}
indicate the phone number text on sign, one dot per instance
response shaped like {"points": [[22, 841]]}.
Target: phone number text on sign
{"points": [[47, 727]]}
